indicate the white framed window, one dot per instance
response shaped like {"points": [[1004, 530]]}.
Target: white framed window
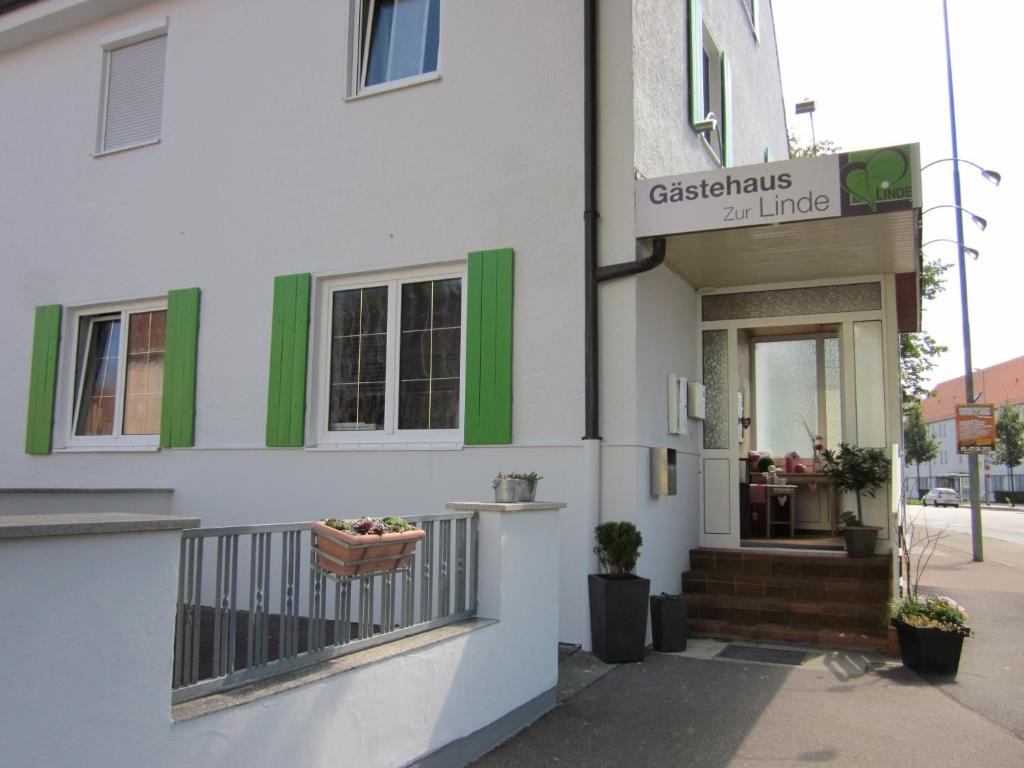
{"points": [[132, 93], [395, 42], [116, 392], [392, 358], [711, 79]]}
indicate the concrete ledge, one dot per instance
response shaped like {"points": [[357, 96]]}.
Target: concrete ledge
{"points": [[217, 702], [492, 506], [467, 749], [35, 526]]}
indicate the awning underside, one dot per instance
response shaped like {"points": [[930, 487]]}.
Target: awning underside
{"points": [[821, 249]]}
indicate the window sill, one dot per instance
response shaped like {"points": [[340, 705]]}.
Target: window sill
{"points": [[115, 150], [394, 85], [108, 449], [386, 447]]}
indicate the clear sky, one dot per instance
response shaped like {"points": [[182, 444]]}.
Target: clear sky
{"points": [[877, 71]]}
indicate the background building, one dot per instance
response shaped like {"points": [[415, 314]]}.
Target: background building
{"points": [[998, 384]]}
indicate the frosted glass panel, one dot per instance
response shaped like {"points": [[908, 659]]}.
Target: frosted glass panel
{"points": [[867, 354], [833, 396], [786, 395], [717, 403]]}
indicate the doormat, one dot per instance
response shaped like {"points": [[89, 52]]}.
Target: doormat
{"points": [[768, 655]]}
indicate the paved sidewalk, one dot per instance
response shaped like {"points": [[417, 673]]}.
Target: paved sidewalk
{"points": [[843, 709]]}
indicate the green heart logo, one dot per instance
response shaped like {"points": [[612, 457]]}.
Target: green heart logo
{"points": [[882, 169]]}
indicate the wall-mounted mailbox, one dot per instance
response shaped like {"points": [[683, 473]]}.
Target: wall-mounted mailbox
{"points": [[663, 471], [695, 401]]}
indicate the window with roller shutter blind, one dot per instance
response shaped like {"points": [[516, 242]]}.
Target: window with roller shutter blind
{"points": [[131, 107]]}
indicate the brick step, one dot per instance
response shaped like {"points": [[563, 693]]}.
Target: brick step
{"points": [[816, 615], [825, 638], [739, 584], [791, 564]]}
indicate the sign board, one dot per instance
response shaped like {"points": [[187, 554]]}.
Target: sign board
{"points": [[847, 184], [975, 428]]}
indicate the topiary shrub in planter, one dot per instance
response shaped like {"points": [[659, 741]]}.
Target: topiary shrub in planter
{"points": [[618, 598]]}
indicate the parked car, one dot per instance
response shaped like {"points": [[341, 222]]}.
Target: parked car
{"points": [[941, 497]]}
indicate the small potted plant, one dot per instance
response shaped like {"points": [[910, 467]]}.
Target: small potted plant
{"points": [[512, 487], [861, 471], [618, 597], [364, 546]]}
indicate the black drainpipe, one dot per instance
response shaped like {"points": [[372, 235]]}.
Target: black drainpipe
{"points": [[593, 274]]}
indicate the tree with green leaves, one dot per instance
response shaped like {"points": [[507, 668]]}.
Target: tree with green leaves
{"points": [[918, 445], [1009, 439], [918, 351]]}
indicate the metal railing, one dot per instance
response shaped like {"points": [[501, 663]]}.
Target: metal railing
{"points": [[227, 632]]}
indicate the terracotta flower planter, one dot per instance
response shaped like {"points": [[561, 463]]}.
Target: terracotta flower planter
{"points": [[350, 554]]}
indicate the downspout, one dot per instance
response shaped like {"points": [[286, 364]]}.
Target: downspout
{"points": [[594, 275]]}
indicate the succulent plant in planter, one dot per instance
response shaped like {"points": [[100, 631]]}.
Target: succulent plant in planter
{"points": [[366, 545], [511, 487], [862, 471], [618, 598], [931, 632]]}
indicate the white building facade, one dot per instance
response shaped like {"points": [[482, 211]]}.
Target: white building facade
{"points": [[325, 259]]}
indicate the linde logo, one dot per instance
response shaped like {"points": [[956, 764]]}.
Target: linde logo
{"points": [[768, 206]]}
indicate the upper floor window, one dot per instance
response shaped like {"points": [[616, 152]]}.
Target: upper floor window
{"points": [[132, 106], [710, 102], [399, 40]]}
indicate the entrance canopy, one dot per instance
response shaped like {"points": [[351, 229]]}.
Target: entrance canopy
{"points": [[828, 217]]}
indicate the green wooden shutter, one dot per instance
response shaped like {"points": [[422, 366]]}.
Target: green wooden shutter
{"points": [[725, 124], [755, 19], [696, 56], [43, 381], [178, 408], [286, 398], [489, 348]]}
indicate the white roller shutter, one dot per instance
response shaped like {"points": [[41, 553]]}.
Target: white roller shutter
{"points": [[134, 101]]}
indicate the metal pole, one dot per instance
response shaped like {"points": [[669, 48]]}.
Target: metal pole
{"points": [[972, 459]]}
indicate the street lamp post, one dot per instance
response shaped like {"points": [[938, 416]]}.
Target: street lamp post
{"points": [[972, 459]]}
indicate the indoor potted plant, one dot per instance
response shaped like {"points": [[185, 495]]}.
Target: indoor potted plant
{"points": [[512, 487], [618, 597], [364, 546], [861, 471]]}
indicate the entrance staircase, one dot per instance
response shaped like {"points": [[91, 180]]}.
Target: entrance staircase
{"points": [[820, 599]]}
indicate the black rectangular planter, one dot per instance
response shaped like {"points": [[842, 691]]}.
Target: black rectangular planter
{"points": [[618, 616], [669, 625], [930, 650]]}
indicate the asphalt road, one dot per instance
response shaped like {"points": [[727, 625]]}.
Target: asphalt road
{"points": [[996, 523]]}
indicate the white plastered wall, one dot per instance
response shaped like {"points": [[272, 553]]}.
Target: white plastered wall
{"points": [[264, 168]]}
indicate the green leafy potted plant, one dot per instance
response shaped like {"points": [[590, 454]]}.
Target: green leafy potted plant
{"points": [[930, 628], [364, 546], [861, 471], [618, 597], [512, 487]]}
